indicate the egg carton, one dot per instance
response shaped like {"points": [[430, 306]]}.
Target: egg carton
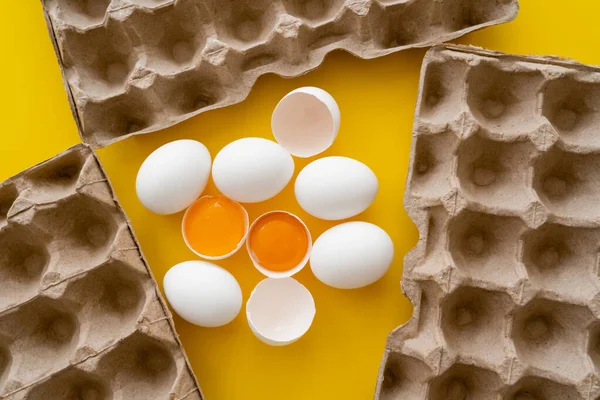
{"points": [[504, 187], [80, 315], [136, 66]]}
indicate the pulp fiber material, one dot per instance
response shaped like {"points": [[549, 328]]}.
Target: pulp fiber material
{"points": [[80, 315], [503, 185], [136, 66]]}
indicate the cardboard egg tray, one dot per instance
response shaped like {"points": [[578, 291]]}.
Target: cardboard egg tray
{"points": [[136, 66], [504, 187], [80, 315]]}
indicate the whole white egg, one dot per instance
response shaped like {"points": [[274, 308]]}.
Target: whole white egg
{"points": [[250, 170], [334, 188], [352, 255], [173, 176], [203, 293]]}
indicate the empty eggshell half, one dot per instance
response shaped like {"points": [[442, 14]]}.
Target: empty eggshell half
{"points": [[280, 311], [306, 121]]}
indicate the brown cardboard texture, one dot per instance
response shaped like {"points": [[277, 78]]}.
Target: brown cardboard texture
{"points": [[504, 187], [136, 66], [80, 315]]}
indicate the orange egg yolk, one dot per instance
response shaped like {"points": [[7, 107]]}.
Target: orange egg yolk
{"points": [[214, 226], [278, 241]]}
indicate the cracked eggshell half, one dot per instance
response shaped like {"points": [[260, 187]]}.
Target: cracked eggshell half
{"points": [[203, 293], [334, 188], [279, 244], [215, 227], [352, 255], [173, 176], [280, 311], [306, 121], [251, 170]]}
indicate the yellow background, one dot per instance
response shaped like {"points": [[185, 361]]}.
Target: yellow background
{"points": [[339, 357]]}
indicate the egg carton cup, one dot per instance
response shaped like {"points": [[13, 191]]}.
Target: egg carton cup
{"points": [[81, 316], [504, 187], [136, 66]]}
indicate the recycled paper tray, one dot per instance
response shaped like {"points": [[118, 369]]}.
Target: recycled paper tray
{"points": [[136, 66], [80, 315], [504, 187]]}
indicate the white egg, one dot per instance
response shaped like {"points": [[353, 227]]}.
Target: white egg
{"points": [[280, 311], [352, 255], [334, 188], [203, 293], [173, 176], [251, 170]]}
